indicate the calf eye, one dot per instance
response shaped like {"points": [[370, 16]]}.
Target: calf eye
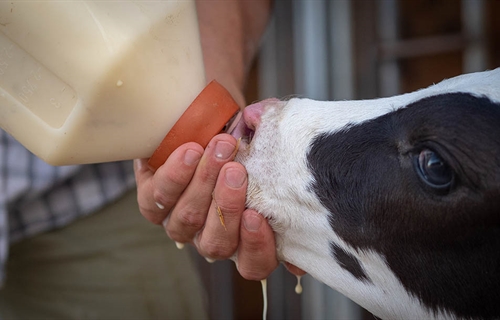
{"points": [[434, 171]]}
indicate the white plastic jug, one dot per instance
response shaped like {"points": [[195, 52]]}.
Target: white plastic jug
{"points": [[96, 81]]}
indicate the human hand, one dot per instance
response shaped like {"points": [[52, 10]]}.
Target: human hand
{"points": [[179, 196]]}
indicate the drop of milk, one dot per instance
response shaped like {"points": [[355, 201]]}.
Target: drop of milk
{"points": [[298, 287], [179, 245], [119, 83], [298, 290], [160, 206]]}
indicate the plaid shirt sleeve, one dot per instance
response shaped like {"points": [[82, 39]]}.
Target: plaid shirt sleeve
{"points": [[36, 197]]}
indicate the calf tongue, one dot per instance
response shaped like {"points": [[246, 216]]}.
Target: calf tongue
{"points": [[238, 129]]}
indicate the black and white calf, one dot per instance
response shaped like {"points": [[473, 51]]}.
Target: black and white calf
{"points": [[394, 202]]}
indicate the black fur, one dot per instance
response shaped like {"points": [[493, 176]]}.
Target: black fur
{"points": [[348, 262], [443, 246]]}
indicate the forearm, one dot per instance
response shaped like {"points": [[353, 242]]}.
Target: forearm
{"points": [[230, 35]]}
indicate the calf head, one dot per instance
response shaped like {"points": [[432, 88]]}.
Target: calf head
{"points": [[394, 202]]}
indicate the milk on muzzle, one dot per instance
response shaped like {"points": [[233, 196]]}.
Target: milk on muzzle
{"points": [[86, 82]]}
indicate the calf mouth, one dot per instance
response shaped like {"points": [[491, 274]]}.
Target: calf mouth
{"points": [[241, 131], [248, 121]]}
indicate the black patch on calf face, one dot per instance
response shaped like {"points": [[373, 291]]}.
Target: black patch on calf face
{"points": [[443, 246], [348, 262]]}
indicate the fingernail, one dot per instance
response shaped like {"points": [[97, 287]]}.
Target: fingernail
{"points": [[235, 178], [160, 206], [223, 150], [191, 157], [252, 222], [138, 164]]}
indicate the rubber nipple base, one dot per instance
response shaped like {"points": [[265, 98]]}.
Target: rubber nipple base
{"points": [[207, 116]]}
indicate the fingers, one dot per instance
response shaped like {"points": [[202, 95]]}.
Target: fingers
{"points": [[202, 192], [220, 236], [159, 191], [190, 212], [257, 249]]}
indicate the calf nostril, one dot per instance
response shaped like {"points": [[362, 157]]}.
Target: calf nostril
{"points": [[252, 114]]}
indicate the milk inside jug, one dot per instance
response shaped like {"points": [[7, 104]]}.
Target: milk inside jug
{"points": [[96, 81]]}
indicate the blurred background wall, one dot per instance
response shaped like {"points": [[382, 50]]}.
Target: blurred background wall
{"points": [[351, 49]]}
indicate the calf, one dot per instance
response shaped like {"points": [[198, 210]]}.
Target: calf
{"points": [[394, 202]]}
